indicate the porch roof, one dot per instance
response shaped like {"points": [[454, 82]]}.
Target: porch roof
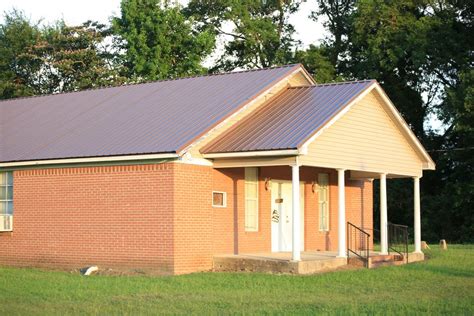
{"points": [[288, 120]]}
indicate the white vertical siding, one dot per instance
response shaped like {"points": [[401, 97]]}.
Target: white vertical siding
{"points": [[366, 138]]}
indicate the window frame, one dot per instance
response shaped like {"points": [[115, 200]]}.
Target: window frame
{"points": [[255, 199], [224, 199], [7, 215], [321, 217], [5, 186]]}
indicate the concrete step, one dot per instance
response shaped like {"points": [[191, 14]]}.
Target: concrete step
{"points": [[377, 261], [379, 264]]}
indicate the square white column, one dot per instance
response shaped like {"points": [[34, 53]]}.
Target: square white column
{"points": [[417, 215], [341, 219], [383, 215], [296, 213]]}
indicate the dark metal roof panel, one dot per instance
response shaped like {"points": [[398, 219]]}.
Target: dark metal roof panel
{"points": [[289, 119], [156, 117]]}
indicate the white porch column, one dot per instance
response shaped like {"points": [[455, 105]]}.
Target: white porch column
{"points": [[296, 231], [341, 223], [383, 214], [417, 224]]}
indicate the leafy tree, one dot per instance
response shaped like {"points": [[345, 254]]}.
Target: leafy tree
{"points": [[338, 21], [421, 52], [256, 33], [73, 58], [38, 60], [16, 74], [317, 63], [159, 42]]}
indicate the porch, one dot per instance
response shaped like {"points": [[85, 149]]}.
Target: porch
{"points": [[311, 262], [300, 218], [363, 140]]}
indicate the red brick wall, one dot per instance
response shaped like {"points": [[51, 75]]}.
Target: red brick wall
{"points": [[155, 217], [192, 218], [120, 216], [230, 235]]}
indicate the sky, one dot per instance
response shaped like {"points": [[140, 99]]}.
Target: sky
{"points": [[75, 12]]}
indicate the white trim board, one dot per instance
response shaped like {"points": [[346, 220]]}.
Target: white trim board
{"points": [[263, 153], [87, 160]]}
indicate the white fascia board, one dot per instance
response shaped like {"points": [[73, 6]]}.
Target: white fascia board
{"points": [[304, 147], [87, 160], [267, 153]]}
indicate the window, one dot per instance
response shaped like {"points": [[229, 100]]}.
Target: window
{"points": [[6, 201], [323, 201], [251, 199], [219, 199]]}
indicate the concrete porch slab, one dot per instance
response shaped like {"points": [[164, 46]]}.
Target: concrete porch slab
{"points": [[280, 262]]}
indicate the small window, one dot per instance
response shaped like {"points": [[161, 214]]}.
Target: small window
{"points": [[6, 201], [251, 199], [323, 201], [219, 199]]}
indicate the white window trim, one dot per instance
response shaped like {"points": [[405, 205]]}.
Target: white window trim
{"points": [[3, 217], [328, 207], [257, 212], [224, 197]]}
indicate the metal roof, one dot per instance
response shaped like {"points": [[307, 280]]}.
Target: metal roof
{"points": [[289, 119], [156, 117]]}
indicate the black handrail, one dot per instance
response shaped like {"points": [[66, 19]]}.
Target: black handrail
{"points": [[358, 243], [398, 239]]}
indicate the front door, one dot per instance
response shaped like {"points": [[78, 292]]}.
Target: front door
{"points": [[281, 215]]}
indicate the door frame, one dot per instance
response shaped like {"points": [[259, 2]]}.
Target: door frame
{"points": [[273, 196]]}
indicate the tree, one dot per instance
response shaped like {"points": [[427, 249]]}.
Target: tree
{"points": [[16, 74], [255, 33], [38, 60], [315, 60], [421, 52], [159, 42], [338, 21], [73, 58]]}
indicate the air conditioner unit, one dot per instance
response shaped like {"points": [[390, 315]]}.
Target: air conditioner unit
{"points": [[6, 223]]}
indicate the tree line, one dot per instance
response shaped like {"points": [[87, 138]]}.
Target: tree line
{"points": [[420, 51]]}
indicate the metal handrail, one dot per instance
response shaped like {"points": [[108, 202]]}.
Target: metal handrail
{"points": [[358, 243], [398, 239]]}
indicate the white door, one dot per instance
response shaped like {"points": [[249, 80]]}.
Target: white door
{"points": [[281, 215]]}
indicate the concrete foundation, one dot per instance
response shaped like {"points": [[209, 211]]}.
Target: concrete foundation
{"points": [[311, 262]]}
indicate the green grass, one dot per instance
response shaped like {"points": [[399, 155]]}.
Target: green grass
{"points": [[444, 284]]}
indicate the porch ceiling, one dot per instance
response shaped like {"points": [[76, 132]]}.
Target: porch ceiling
{"points": [[269, 161]]}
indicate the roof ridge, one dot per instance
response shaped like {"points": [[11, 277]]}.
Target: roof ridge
{"points": [[333, 84], [152, 81]]}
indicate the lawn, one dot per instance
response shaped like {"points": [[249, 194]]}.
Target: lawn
{"points": [[444, 284]]}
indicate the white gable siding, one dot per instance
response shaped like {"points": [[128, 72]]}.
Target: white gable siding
{"points": [[366, 139]]}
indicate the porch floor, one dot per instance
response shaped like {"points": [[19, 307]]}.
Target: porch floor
{"points": [[279, 262]]}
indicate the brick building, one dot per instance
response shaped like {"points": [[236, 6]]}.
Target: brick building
{"points": [[163, 176]]}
